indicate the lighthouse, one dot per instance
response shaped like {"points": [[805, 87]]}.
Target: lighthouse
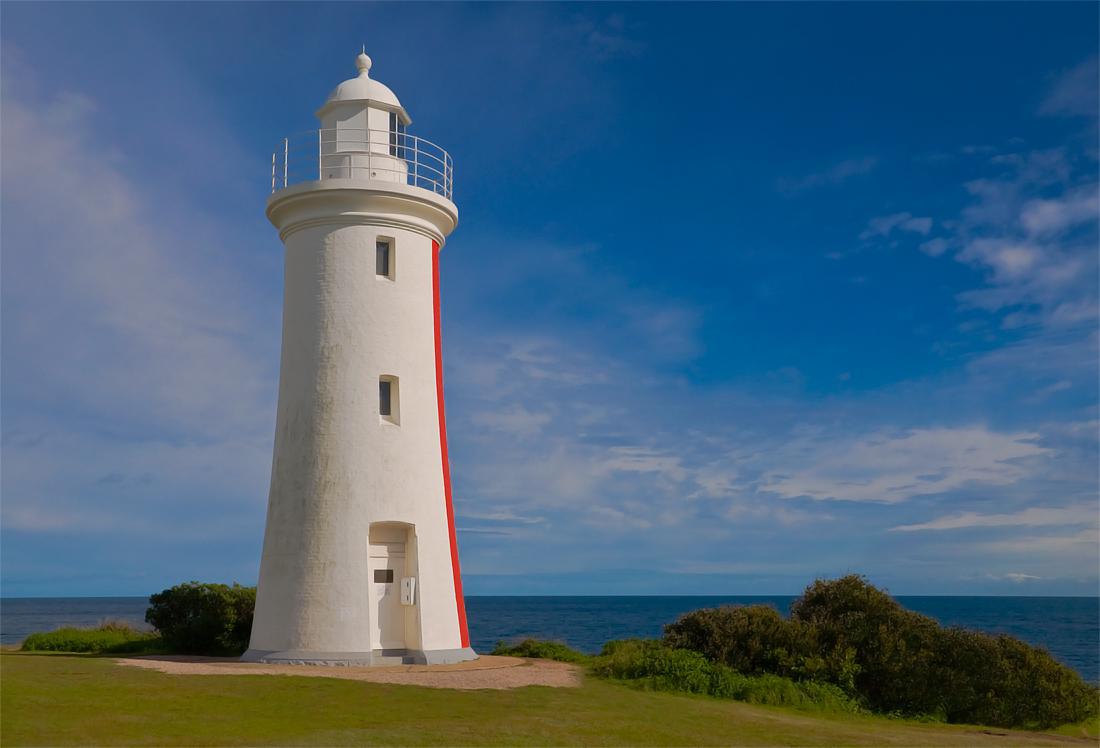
{"points": [[360, 559]]}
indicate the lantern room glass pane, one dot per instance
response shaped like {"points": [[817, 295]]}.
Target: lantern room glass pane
{"points": [[397, 136]]}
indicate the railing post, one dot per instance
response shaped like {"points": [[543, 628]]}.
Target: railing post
{"points": [[273, 162], [320, 173], [286, 153]]}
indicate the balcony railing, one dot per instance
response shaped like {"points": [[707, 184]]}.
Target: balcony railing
{"points": [[346, 153]]}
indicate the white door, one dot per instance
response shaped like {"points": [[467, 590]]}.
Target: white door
{"points": [[387, 620]]}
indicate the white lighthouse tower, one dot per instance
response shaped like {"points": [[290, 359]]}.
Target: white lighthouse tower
{"points": [[360, 561]]}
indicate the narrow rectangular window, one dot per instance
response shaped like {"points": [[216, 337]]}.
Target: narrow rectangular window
{"points": [[384, 402], [382, 259]]}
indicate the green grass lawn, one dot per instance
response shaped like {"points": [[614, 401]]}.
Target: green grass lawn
{"points": [[68, 699]]}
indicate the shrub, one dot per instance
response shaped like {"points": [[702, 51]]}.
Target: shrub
{"points": [[911, 665], [653, 665], [893, 649], [756, 640], [541, 650], [206, 619], [848, 633], [109, 637]]}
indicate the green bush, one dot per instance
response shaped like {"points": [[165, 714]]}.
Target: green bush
{"points": [[110, 637], [848, 633], [204, 619], [757, 640], [653, 665], [542, 650], [894, 649], [911, 665]]}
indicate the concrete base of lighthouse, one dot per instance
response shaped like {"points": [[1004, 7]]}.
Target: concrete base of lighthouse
{"points": [[362, 659]]}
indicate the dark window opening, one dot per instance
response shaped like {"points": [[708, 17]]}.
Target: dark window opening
{"points": [[382, 259], [383, 576], [397, 136], [384, 398]]}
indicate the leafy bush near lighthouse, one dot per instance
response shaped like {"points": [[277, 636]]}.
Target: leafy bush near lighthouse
{"points": [[540, 650], [756, 640], [108, 637], [204, 619], [851, 634], [652, 665]]}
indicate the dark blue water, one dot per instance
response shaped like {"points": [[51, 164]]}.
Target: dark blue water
{"points": [[1068, 627]]}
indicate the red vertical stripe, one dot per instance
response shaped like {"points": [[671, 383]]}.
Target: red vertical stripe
{"points": [[443, 449]]}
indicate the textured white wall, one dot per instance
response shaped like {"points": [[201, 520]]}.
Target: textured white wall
{"points": [[337, 466]]}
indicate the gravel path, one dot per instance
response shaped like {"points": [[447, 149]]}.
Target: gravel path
{"points": [[485, 672]]}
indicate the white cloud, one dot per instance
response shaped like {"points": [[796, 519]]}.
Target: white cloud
{"points": [[669, 330], [502, 516], [88, 484], [111, 310], [883, 225], [643, 460], [1046, 392], [934, 247], [1016, 577], [1083, 544], [970, 150], [892, 467], [515, 420], [1031, 517], [834, 176], [1009, 260], [920, 225], [132, 352], [1033, 231], [615, 519], [608, 40], [1075, 91], [1052, 217]]}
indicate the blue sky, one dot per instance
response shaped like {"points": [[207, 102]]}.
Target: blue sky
{"points": [[741, 294]]}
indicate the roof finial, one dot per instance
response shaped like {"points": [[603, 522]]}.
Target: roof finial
{"points": [[363, 63]]}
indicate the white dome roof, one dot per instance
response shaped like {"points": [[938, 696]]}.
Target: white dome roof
{"points": [[363, 88]]}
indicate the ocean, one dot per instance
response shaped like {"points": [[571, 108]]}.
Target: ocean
{"points": [[1067, 627]]}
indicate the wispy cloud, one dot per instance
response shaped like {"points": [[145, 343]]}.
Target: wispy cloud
{"points": [[834, 176], [138, 382], [883, 225], [1075, 91], [893, 467], [171, 341], [935, 247], [1033, 228], [1031, 517], [1038, 252], [609, 39], [503, 516], [515, 420], [1082, 545]]}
